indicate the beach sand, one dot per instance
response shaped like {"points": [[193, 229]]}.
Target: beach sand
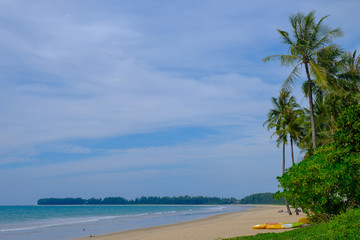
{"points": [[215, 227]]}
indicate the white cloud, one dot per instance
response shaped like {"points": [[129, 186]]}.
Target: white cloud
{"points": [[145, 100], [75, 70], [192, 168]]}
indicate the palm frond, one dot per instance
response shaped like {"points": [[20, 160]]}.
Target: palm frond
{"points": [[285, 37], [286, 60], [327, 38], [320, 74], [290, 80]]}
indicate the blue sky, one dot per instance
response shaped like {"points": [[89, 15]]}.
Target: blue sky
{"points": [[133, 98]]}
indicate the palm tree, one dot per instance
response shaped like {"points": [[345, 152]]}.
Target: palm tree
{"points": [[342, 90], [294, 126], [283, 117], [350, 76], [351, 65], [307, 40]]}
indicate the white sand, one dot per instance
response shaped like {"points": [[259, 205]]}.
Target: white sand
{"points": [[216, 227]]}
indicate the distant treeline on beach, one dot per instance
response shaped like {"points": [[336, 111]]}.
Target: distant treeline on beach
{"points": [[258, 198], [142, 200], [261, 198]]}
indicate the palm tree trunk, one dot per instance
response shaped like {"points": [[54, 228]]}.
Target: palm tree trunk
{"points": [[296, 209], [292, 151], [293, 162], [283, 171], [287, 206], [283, 165], [312, 117]]}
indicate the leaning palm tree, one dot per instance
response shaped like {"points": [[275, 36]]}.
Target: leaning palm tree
{"points": [[307, 40]]}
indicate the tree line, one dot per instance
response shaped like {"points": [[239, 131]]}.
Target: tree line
{"points": [[142, 200], [261, 198]]}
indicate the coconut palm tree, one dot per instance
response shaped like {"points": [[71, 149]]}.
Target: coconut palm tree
{"points": [[308, 38], [283, 117], [351, 64], [342, 90], [350, 76], [294, 127]]}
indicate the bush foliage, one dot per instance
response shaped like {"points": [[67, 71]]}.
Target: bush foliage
{"points": [[328, 183], [348, 135]]}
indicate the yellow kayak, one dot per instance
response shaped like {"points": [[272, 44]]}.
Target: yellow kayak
{"points": [[277, 225], [260, 226], [264, 225]]}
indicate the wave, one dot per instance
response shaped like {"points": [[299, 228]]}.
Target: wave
{"points": [[120, 218], [55, 223]]}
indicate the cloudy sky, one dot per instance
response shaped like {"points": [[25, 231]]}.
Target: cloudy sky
{"points": [[132, 98]]}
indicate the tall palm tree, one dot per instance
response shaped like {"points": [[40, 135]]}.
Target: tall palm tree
{"points": [[283, 118], [307, 40], [342, 90]]}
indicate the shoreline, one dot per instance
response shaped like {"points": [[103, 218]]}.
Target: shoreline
{"points": [[215, 227]]}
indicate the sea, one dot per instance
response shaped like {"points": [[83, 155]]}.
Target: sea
{"points": [[68, 222]]}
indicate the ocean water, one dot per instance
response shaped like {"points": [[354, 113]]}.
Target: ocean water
{"points": [[67, 222]]}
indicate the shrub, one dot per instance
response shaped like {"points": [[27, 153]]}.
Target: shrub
{"points": [[328, 183], [348, 134]]}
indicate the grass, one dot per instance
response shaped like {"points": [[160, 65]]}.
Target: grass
{"points": [[342, 227]]}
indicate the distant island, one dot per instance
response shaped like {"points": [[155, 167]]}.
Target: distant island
{"points": [[259, 198]]}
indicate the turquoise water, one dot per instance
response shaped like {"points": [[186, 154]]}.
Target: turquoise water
{"points": [[66, 222]]}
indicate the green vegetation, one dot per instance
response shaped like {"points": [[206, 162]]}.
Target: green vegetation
{"points": [[307, 40], [143, 200], [332, 83], [344, 226], [328, 183], [261, 198], [286, 118]]}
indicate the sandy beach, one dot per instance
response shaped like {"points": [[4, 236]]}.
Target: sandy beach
{"points": [[215, 227]]}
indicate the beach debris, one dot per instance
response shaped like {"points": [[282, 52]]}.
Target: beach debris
{"points": [[304, 225]]}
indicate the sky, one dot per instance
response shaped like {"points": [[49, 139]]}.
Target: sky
{"points": [[145, 98]]}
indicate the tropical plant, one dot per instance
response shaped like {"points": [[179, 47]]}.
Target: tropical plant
{"points": [[308, 39], [284, 118], [328, 183], [342, 90]]}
